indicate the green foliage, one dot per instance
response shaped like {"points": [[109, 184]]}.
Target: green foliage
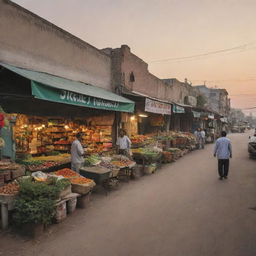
{"points": [[40, 211], [35, 203], [201, 101], [52, 153], [62, 184], [34, 190]]}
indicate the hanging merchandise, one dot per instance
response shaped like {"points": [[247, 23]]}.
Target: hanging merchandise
{"points": [[1, 120]]}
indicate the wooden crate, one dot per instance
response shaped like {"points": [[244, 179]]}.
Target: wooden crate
{"points": [[17, 173], [7, 175], [1, 179]]}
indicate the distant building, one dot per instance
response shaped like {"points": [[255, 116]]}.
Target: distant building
{"points": [[217, 99], [182, 92]]}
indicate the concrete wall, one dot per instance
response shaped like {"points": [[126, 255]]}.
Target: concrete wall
{"points": [[180, 90], [124, 63], [31, 42]]}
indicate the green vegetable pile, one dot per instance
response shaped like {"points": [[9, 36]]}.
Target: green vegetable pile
{"points": [[92, 160]]}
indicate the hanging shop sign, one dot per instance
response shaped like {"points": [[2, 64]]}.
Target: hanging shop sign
{"points": [[48, 93], [157, 107], [211, 116], [224, 120], [196, 114], [178, 109]]}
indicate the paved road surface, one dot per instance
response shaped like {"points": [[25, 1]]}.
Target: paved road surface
{"points": [[181, 210]]}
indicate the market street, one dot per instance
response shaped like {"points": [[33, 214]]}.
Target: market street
{"points": [[183, 209]]}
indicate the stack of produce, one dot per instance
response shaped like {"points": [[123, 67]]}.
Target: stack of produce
{"points": [[150, 153], [92, 160], [176, 152], [43, 163], [107, 164], [122, 163], [167, 157], [9, 189], [79, 184], [80, 180], [141, 140], [66, 173]]}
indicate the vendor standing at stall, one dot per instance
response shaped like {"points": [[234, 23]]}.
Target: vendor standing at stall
{"points": [[123, 144], [77, 153]]}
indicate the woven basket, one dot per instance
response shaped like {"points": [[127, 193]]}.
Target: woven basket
{"points": [[83, 189]]}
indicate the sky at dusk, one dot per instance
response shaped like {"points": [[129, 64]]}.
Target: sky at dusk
{"points": [[205, 41]]}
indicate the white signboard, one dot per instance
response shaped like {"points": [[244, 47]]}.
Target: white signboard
{"points": [[158, 107]]}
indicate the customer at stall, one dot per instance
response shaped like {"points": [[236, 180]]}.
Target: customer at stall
{"points": [[123, 144], [77, 153]]}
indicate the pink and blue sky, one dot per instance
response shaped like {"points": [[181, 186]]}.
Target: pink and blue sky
{"points": [[162, 32]]}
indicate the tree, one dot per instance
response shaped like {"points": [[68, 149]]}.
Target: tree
{"points": [[201, 101]]}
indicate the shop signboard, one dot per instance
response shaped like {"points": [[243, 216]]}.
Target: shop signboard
{"points": [[43, 92], [178, 109], [196, 114], [157, 107], [211, 116]]}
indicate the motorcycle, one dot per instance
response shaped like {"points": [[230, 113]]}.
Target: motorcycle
{"points": [[252, 149]]}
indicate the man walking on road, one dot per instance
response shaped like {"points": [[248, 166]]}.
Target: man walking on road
{"points": [[223, 151]]}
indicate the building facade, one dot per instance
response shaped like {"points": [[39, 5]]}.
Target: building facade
{"points": [[217, 99], [31, 42]]}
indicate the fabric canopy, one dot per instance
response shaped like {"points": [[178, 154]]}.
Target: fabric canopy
{"points": [[57, 89]]}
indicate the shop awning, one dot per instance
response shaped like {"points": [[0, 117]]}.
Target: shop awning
{"points": [[178, 109], [61, 90]]}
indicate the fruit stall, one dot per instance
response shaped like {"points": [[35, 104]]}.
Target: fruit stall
{"points": [[107, 170], [41, 135], [28, 197], [45, 163]]}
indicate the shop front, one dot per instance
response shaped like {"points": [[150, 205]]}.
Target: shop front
{"points": [[181, 119], [46, 112], [151, 116]]}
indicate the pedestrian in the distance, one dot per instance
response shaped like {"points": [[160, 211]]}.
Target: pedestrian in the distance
{"points": [[202, 138], [77, 153], [223, 151], [197, 135]]}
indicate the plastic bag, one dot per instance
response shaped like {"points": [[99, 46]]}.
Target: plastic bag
{"points": [[39, 176]]}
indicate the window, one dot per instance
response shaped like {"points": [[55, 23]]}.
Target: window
{"points": [[132, 77]]}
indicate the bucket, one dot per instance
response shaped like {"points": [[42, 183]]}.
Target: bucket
{"points": [[71, 205]]}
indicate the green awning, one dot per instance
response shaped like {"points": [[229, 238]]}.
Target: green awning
{"points": [[61, 90]]}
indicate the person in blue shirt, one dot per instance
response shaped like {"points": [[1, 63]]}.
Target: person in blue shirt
{"points": [[223, 151]]}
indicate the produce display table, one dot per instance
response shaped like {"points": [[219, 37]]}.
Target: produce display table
{"points": [[145, 159], [100, 175], [127, 171], [54, 168]]}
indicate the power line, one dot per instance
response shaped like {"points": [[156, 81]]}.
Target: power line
{"points": [[242, 47]]}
